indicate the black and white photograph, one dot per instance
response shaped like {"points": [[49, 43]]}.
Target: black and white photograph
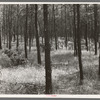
{"points": [[50, 49]]}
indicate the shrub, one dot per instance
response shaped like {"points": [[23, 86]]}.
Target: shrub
{"points": [[16, 58], [5, 61], [7, 52]]}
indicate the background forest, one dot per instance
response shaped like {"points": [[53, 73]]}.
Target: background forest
{"points": [[50, 48]]}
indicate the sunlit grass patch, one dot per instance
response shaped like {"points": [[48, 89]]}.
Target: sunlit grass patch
{"points": [[65, 78]]}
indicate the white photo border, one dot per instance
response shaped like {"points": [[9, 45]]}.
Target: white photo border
{"points": [[52, 95]]}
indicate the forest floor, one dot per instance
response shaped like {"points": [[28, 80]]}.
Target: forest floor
{"points": [[30, 79]]}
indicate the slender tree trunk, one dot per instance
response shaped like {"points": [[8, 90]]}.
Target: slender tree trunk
{"points": [[86, 43], [37, 37], [54, 29], [47, 52], [17, 27], [10, 22], [79, 43], [30, 30], [42, 40], [30, 38], [95, 27], [86, 30], [99, 58], [61, 19], [0, 40], [14, 37], [7, 21], [21, 34], [4, 24], [74, 31], [25, 33], [65, 29]]}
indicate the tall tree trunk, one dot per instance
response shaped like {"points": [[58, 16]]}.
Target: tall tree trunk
{"points": [[74, 31], [95, 27], [4, 24], [79, 43], [54, 29], [65, 29], [99, 58], [86, 43], [25, 33], [30, 30], [0, 40], [17, 27], [30, 37], [37, 37], [10, 23], [7, 21], [86, 29], [47, 52]]}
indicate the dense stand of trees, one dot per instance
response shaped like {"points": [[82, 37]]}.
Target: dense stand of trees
{"points": [[46, 23]]}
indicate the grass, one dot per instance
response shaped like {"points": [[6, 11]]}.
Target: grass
{"points": [[69, 83], [30, 79]]}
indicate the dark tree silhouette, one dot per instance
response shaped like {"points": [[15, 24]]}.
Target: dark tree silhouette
{"points": [[65, 28], [99, 59], [17, 28], [95, 27], [86, 29], [37, 37], [10, 24], [74, 30], [79, 43], [0, 41], [25, 33], [30, 28], [54, 29], [47, 52]]}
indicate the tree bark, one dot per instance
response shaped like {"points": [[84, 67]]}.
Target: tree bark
{"points": [[0, 40], [99, 58], [25, 33], [54, 29], [86, 30], [79, 43], [74, 31], [10, 23], [37, 37], [17, 28], [95, 27], [65, 29], [47, 53]]}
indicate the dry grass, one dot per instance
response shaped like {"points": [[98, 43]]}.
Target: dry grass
{"points": [[65, 78]]}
